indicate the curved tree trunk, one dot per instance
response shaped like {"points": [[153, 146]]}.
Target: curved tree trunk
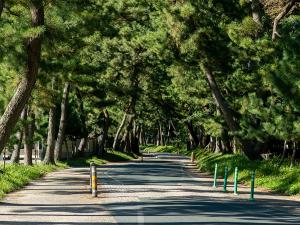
{"points": [[117, 136], [49, 156], [28, 136], [27, 83], [101, 151], [15, 158], [81, 147], [251, 150], [62, 123], [194, 140]]}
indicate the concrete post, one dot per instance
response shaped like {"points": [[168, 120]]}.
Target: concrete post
{"points": [[216, 176], [236, 181]]}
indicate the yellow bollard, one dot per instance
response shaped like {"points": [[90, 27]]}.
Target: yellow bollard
{"points": [[94, 180]]}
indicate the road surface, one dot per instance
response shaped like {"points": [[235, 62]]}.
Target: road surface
{"points": [[164, 189]]}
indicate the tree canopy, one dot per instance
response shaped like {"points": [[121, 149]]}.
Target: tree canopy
{"points": [[221, 75]]}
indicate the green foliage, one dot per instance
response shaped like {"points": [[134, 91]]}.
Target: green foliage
{"points": [[269, 174]]}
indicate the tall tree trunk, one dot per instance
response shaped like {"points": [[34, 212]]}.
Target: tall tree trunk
{"points": [[250, 150], [49, 156], [27, 83], [15, 158], [158, 137], [117, 136], [257, 11], [81, 147], [62, 123], [1, 6], [226, 142], [283, 153], [293, 159], [135, 139], [67, 149], [192, 134], [141, 136], [127, 138], [218, 145], [101, 151], [28, 136], [161, 135]]}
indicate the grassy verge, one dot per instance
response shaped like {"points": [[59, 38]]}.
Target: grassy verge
{"points": [[16, 176], [110, 156], [268, 173]]}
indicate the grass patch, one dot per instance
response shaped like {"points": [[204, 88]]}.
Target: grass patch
{"points": [[167, 149], [110, 156], [269, 175], [16, 176]]}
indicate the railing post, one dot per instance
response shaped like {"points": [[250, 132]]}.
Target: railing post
{"points": [[236, 181], [94, 180], [225, 179], [252, 186], [216, 176]]}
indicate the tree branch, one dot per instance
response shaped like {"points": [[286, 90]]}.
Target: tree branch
{"points": [[287, 8]]}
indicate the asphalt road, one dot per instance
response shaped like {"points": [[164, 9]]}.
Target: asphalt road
{"points": [[164, 189]]}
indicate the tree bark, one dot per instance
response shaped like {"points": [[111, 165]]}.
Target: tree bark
{"points": [[27, 83], [1, 6], [81, 147], [287, 8], [135, 139], [283, 153], [117, 136], [101, 142], [257, 11], [49, 156], [293, 154], [15, 158], [62, 123], [250, 149], [28, 136], [161, 135], [192, 134]]}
